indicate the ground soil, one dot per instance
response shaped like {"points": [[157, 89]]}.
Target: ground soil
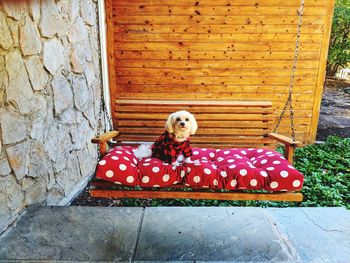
{"points": [[335, 110], [334, 120]]}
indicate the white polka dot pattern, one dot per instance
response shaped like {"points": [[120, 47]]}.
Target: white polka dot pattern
{"points": [[166, 178], [224, 169], [233, 183], [284, 174], [273, 185], [263, 173], [196, 179], [253, 182], [182, 174], [130, 179], [109, 173], [122, 167], [207, 171], [145, 179], [243, 172], [223, 174], [296, 183], [155, 169]]}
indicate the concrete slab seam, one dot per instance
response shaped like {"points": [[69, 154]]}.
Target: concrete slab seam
{"points": [[286, 244], [138, 235]]}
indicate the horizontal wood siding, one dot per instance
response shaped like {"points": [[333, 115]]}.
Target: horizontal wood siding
{"points": [[219, 50], [235, 123]]}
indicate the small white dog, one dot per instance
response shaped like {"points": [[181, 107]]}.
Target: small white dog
{"points": [[174, 144]]}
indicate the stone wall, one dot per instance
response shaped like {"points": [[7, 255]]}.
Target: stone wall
{"points": [[49, 100]]}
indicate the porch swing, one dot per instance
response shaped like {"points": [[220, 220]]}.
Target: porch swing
{"points": [[232, 150]]}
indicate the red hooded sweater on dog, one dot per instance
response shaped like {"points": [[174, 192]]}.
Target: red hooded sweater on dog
{"points": [[167, 148]]}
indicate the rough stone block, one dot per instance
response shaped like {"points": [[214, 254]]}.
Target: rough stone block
{"points": [[37, 75], [14, 126], [13, 192], [39, 163], [30, 38], [37, 192], [5, 34], [62, 93], [18, 159], [5, 168], [19, 92], [14, 9], [51, 21], [13, 26], [88, 12], [53, 55], [34, 10], [78, 32]]}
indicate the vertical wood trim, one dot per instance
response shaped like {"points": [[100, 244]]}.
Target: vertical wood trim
{"points": [[110, 56], [103, 50], [321, 71]]}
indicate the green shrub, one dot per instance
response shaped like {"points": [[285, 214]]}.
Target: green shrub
{"points": [[327, 172]]}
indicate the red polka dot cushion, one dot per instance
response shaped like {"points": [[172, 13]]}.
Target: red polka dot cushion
{"points": [[215, 169]]}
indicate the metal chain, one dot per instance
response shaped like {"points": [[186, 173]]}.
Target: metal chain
{"points": [[289, 101], [103, 113]]}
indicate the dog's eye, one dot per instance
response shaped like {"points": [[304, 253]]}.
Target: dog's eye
{"points": [[187, 119], [178, 119]]}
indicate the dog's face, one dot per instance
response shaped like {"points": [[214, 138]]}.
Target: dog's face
{"points": [[182, 124]]}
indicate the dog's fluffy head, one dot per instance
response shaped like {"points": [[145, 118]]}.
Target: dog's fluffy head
{"points": [[182, 124]]}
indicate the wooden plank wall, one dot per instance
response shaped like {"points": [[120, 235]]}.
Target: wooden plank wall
{"points": [[220, 49]]}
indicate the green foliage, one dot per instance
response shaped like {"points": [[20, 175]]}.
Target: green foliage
{"points": [[339, 46], [327, 172], [327, 180]]}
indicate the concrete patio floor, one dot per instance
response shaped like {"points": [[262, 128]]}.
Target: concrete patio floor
{"points": [[179, 234]]}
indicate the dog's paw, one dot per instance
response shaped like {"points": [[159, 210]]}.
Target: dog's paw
{"points": [[176, 163], [188, 160]]}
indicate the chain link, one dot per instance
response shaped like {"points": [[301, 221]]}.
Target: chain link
{"points": [[103, 115], [289, 101]]}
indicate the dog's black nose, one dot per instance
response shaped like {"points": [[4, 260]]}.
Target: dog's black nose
{"points": [[182, 124]]}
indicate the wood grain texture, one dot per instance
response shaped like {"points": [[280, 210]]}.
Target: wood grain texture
{"points": [[320, 3], [288, 197], [322, 70], [219, 50], [111, 54], [225, 123]]}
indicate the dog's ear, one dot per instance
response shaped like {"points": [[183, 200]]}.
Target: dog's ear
{"points": [[169, 125], [194, 125]]}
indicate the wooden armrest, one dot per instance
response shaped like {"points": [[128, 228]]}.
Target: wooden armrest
{"points": [[289, 145], [104, 137], [102, 141], [284, 139]]}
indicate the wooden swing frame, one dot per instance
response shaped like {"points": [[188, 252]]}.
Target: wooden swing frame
{"points": [[254, 116]]}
